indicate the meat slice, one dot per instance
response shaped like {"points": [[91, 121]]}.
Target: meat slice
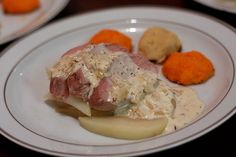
{"points": [[78, 86], [75, 49], [59, 88], [75, 85], [100, 98], [114, 48], [144, 63]]}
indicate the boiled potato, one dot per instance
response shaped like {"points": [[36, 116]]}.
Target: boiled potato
{"points": [[79, 105], [124, 128], [73, 101], [97, 113]]}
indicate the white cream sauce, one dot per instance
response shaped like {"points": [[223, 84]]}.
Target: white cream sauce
{"points": [[180, 105], [188, 107], [91, 61]]}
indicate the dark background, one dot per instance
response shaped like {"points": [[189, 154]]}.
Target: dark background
{"points": [[219, 142]]}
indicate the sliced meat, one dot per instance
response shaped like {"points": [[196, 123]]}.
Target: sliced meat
{"points": [[100, 98], [78, 85], [110, 47], [113, 48], [75, 49], [58, 88], [144, 63], [140, 60]]}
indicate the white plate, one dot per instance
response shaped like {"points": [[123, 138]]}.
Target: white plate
{"points": [[224, 5], [14, 26], [27, 120]]}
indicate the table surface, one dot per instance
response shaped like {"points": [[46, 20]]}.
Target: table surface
{"points": [[218, 142]]}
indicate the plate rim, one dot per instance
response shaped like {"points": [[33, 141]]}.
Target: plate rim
{"points": [[60, 7], [147, 7], [210, 5], [126, 20]]}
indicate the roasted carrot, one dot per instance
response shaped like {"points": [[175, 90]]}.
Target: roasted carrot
{"points": [[20, 6], [113, 37], [188, 68]]}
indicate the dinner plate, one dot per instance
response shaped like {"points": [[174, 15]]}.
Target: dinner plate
{"points": [[13, 26], [223, 5], [27, 120]]}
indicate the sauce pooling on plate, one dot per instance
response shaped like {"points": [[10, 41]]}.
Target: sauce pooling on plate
{"points": [[180, 105]]}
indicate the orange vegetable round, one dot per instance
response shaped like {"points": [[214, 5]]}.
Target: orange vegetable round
{"points": [[20, 6], [188, 68], [113, 37]]}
